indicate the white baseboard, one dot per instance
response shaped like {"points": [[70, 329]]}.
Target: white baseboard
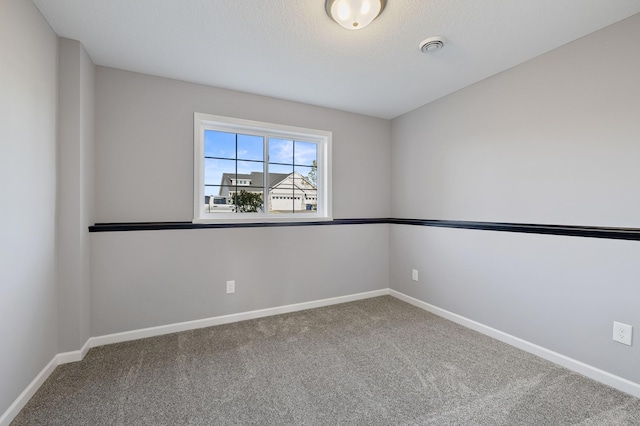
{"points": [[226, 319], [594, 373], [73, 356], [13, 410]]}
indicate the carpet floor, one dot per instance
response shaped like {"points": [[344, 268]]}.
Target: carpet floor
{"points": [[378, 361]]}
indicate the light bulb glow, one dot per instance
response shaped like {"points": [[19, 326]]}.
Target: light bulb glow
{"points": [[354, 14], [343, 11], [366, 7]]}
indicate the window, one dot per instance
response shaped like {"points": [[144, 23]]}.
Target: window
{"points": [[248, 171]]}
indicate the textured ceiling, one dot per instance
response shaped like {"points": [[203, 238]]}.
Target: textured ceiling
{"points": [[291, 49]]}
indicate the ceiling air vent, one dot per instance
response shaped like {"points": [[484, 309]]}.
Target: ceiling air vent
{"points": [[432, 44]]}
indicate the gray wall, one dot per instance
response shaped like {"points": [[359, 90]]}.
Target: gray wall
{"points": [[145, 279], [76, 106], [144, 146], [28, 78], [554, 140], [144, 172]]}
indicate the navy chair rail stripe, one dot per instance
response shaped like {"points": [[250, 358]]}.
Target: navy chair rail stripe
{"points": [[529, 228]]}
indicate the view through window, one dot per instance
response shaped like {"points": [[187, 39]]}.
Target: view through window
{"points": [[256, 170]]}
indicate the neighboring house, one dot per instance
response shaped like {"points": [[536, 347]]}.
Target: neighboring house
{"points": [[294, 192], [286, 192]]}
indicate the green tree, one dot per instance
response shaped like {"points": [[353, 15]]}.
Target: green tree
{"points": [[313, 174], [247, 202]]}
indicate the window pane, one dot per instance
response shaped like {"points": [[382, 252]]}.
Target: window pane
{"points": [[309, 174], [306, 153], [305, 192], [223, 191], [281, 168], [250, 171], [214, 170], [219, 144], [280, 151], [250, 147]]}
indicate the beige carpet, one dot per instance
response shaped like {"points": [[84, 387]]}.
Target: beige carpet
{"points": [[373, 362]]}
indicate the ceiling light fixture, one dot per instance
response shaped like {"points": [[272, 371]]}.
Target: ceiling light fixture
{"points": [[354, 14]]}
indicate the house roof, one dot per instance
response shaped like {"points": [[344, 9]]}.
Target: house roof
{"points": [[256, 179]]}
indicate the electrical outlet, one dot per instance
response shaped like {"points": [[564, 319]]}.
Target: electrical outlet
{"points": [[231, 287], [414, 274], [622, 333]]}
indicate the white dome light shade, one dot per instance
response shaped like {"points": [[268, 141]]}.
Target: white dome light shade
{"points": [[354, 14]]}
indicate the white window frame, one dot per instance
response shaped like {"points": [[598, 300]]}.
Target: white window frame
{"points": [[322, 138]]}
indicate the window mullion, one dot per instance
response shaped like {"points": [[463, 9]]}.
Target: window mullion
{"points": [[236, 177], [293, 177], [265, 174]]}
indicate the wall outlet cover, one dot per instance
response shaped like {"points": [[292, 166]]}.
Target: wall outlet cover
{"points": [[622, 333], [231, 287]]}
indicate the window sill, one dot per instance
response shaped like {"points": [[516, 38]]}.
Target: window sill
{"points": [[263, 219]]}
